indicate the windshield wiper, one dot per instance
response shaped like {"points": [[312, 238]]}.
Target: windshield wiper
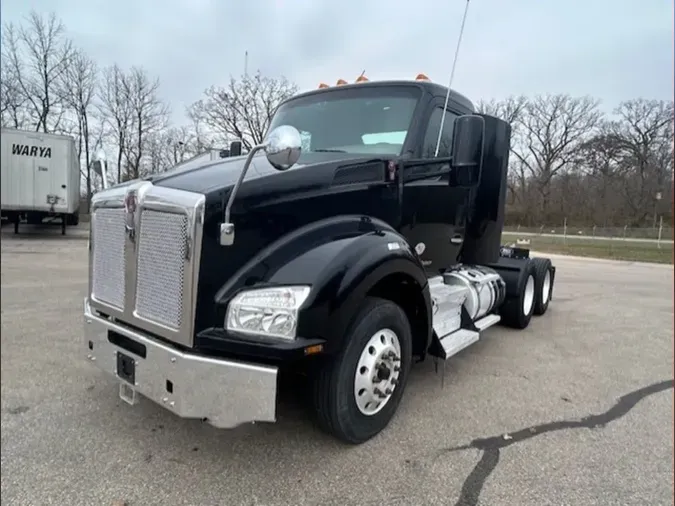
{"points": [[328, 151]]}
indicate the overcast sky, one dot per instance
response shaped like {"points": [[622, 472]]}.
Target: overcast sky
{"points": [[612, 49]]}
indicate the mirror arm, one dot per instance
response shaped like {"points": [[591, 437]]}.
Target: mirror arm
{"points": [[233, 194], [104, 175], [227, 228]]}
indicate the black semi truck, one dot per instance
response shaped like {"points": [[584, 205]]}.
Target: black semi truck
{"points": [[363, 233]]}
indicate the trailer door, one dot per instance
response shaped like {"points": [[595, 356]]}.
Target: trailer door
{"points": [[51, 169]]}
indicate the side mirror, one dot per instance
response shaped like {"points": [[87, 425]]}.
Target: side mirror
{"points": [[283, 146], [235, 148], [467, 151], [99, 166]]}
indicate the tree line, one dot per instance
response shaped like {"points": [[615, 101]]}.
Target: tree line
{"points": [[568, 158]]}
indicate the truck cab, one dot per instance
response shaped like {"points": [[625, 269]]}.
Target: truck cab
{"points": [[364, 231]]}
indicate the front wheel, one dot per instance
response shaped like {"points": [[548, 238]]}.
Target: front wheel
{"points": [[357, 392]]}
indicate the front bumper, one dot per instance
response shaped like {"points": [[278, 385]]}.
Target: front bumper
{"points": [[224, 392]]}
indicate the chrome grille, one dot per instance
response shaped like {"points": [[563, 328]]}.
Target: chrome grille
{"points": [[108, 260], [162, 252], [144, 258]]}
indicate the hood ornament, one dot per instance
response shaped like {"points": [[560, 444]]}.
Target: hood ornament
{"points": [[130, 206]]}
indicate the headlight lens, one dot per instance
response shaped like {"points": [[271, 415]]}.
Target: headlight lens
{"points": [[271, 312]]}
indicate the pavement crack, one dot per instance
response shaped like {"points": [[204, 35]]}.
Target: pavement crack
{"points": [[492, 446]]}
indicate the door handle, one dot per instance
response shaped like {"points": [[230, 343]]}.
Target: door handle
{"points": [[457, 239]]}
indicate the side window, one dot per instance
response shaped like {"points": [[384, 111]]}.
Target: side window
{"points": [[431, 137]]}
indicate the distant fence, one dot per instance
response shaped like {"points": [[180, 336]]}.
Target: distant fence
{"points": [[619, 243], [658, 233]]}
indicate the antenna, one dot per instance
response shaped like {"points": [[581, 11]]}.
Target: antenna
{"points": [[246, 64], [452, 75]]}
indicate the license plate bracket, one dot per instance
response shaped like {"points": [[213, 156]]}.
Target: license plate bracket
{"points": [[126, 368], [128, 393]]}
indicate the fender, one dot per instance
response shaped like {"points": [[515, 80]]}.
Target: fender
{"points": [[342, 258]]}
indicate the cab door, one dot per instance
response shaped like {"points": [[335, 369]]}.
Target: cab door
{"points": [[433, 214]]}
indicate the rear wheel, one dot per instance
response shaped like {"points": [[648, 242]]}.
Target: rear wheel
{"points": [[73, 219], [34, 219], [517, 310], [543, 278], [357, 392]]}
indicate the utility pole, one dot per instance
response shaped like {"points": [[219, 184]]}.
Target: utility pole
{"points": [[246, 64]]}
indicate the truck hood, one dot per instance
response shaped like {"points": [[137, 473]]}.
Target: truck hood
{"points": [[223, 173]]}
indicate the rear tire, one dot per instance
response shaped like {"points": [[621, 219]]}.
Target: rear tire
{"points": [[343, 386], [33, 219], [543, 280], [516, 311], [73, 220]]}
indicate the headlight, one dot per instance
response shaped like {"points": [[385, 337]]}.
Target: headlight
{"points": [[271, 312]]}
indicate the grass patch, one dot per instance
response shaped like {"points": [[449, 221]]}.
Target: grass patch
{"points": [[611, 249]]}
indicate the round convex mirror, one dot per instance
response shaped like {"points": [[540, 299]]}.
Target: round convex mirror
{"points": [[283, 147]]}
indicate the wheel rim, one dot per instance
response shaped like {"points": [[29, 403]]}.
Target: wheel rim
{"points": [[377, 372], [546, 288], [528, 298]]}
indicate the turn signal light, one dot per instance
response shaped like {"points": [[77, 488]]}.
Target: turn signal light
{"points": [[323, 85], [340, 82], [422, 77], [362, 79]]}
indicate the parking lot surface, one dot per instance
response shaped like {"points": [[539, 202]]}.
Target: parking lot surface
{"points": [[575, 410]]}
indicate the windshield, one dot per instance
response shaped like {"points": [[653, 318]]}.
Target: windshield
{"points": [[373, 120]]}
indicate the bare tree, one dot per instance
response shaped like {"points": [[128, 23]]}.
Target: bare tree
{"points": [[38, 55], [115, 110], [12, 101], [552, 128], [79, 88], [148, 116], [169, 147], [511, 110], [243, 110], [203, 137], [643, 134]]}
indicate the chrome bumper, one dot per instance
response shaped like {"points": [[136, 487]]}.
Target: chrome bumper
{"points": [[225, 392]]}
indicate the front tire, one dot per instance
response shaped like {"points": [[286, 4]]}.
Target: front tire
{"points": [[357, 392]]}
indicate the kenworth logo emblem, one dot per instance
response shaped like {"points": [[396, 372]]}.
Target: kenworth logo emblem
{"points": [[26, 150], [130, 204]]}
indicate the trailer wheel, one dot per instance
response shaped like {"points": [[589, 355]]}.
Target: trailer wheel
{"points": [[543, 280], [516, 312], [73, 219], [358, 391]]}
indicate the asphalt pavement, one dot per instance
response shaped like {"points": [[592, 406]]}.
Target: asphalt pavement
{"points": [[575, 410]]}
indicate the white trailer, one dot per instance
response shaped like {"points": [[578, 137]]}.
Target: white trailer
{"points": [[40, 178]]}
